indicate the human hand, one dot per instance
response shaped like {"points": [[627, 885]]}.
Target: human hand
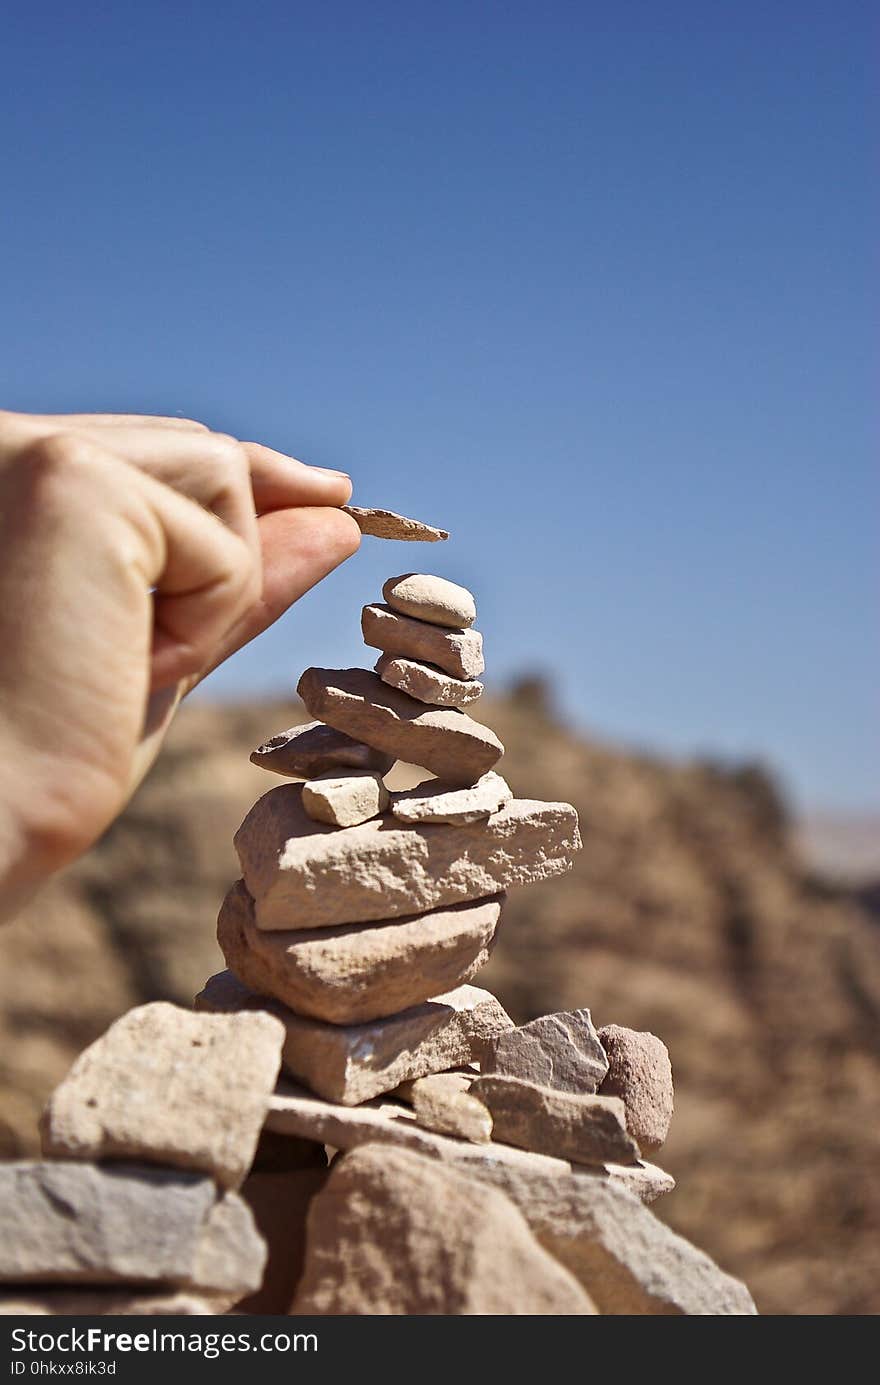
{"points": [[136, 554]]}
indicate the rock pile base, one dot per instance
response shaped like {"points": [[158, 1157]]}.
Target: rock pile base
{"points": [[420, 1153]]}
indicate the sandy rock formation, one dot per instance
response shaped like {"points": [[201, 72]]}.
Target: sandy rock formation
{"points": [[481, 1173]]}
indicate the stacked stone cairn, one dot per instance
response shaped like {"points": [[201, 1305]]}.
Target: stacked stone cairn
{"points": [[420, 1154]]}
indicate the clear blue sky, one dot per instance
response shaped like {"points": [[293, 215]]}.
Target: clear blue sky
{"points": [[589, 284]]}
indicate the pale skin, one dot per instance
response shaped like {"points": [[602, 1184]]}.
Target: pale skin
{"points": [[136, 554]]}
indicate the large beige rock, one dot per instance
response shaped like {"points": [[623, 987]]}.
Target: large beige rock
{"points": [[640, 1073], [584, 1129], [444, 740], [360, 971], [426, 683], [345, 800], [304, 875], [353, 1062], [435, 801], [75, 1223], [96, 1303], [434, 599], [387, 524], [303, 752], [134, 1092], [457, 652], [440, 1102], [627, 1260], [299, 1115], [560, 1051], [393, 1233]]}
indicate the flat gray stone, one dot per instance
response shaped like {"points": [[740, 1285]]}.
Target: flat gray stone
{"points": [[299, 1115], [628, 1261], [561, 1051], [360, 971], [75, 1223], [457, 652], [444, 740], [387, 524], [434, 599], [537, 1178], [640, 1073], [345, 799], [428, 683], [305, 875], [133, 1092], [437, 801], [584, 1129], [303, 752], [351, 1063]]}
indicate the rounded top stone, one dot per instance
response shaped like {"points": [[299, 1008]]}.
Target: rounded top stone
{"points": [[433, 599]]}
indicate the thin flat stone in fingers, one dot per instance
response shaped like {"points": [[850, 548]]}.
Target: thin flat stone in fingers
{"points": [[385, 524]]}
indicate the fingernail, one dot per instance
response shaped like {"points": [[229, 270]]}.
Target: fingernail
{"points": [[328, 471]]}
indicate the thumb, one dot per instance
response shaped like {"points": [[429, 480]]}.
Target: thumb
{"points": [[299, 547]]}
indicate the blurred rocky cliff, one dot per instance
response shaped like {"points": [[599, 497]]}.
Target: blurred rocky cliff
{"points": [[689, 912]]}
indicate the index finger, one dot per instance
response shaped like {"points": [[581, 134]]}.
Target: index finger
{"points": [[282, 483]]}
